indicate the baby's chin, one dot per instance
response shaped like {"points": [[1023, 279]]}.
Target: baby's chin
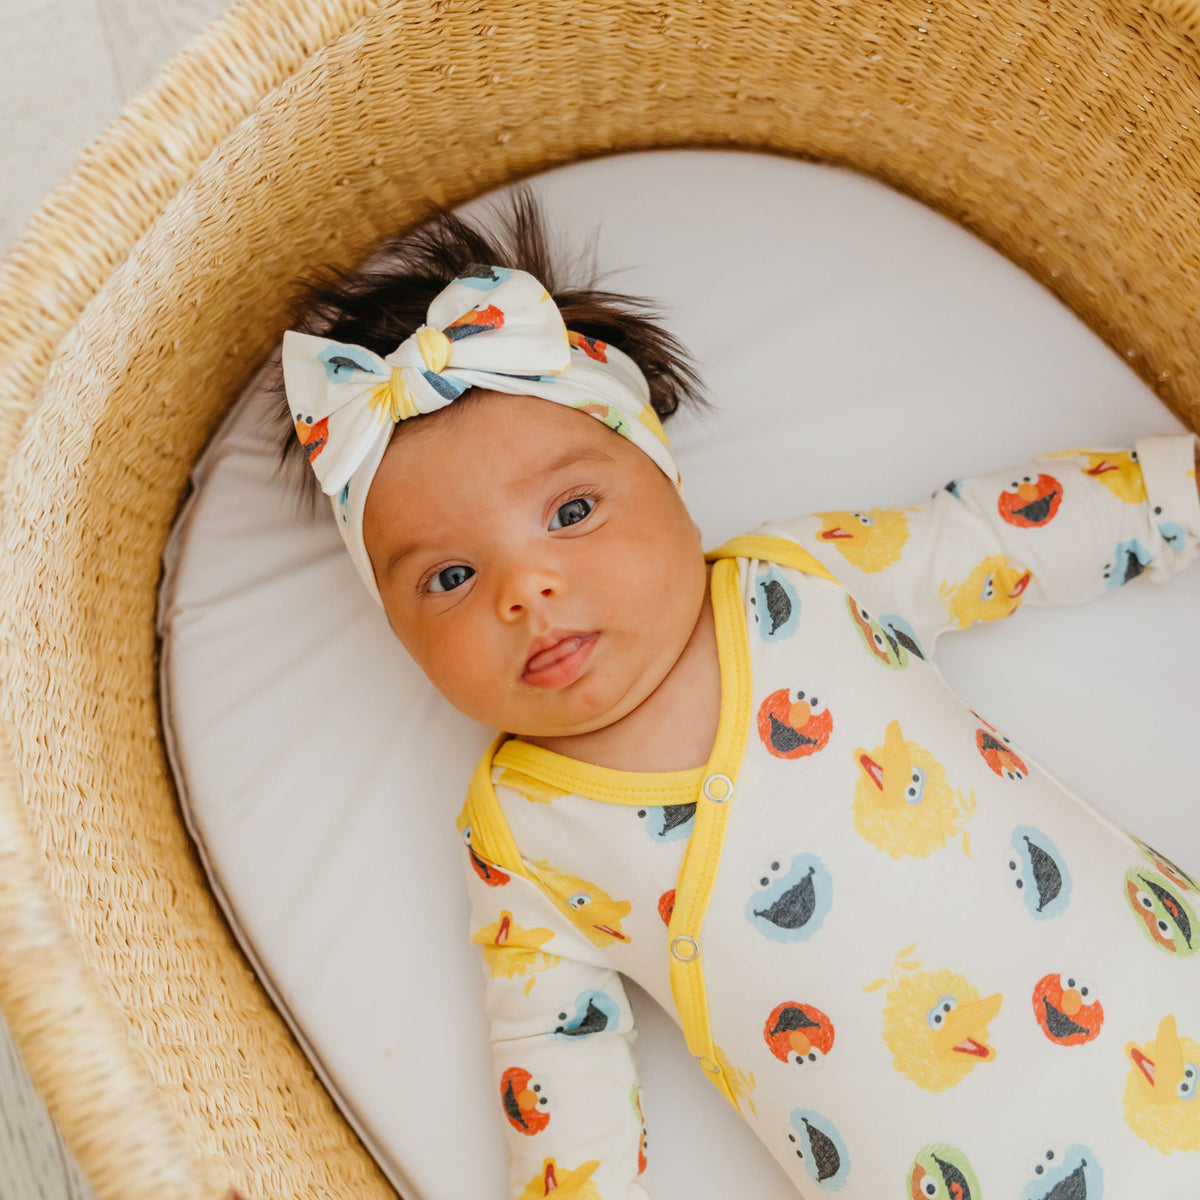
{"points": [[587, 706]]}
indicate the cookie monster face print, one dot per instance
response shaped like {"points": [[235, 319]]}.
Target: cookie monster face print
{"points": [[1129, 560], [819, 1149], [789, 905], [1038, 873], [1072, 1173], [667, 822], [775, 606]]}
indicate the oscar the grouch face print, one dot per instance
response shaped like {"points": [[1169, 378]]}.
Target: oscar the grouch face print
{"points": [[942, 1172], [889, 638], [635, 1097], [1163, 914]]}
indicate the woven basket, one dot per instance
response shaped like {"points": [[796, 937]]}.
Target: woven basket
{"points": [[154, 280]]}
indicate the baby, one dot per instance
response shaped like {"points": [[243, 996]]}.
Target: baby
{"points": [[914, 962]]}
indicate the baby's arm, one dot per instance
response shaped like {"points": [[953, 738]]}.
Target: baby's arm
{"points": [[1061, 529], [562, 1035]]}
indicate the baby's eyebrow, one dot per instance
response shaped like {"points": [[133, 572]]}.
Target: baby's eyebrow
{"points": [[572, 456], [567, 459]]}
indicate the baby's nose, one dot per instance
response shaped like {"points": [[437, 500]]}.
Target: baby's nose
{"points": [[527, 585]]}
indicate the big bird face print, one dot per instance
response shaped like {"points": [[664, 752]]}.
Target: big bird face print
{"points": [[1161, 1106], [869, 540], [1117, 470], [590, 908], [935, 1023], [903, 802], [991, 591], [512, 951], [555, 1182]]}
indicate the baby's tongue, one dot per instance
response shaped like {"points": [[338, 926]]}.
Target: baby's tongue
{"points": [[547, 658]]}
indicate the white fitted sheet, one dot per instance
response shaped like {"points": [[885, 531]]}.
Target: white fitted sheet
{"points": [[862, 351]]}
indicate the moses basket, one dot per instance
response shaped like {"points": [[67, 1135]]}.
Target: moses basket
{"points": [[154, 281]]}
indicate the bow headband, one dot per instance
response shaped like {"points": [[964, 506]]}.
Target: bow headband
{"points": [[491, 327]]}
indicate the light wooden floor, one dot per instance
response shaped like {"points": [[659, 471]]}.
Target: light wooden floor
{"points": [[69, 65]]}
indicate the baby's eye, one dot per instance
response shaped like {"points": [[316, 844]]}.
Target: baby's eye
{"points": [[448, 578], [572, 512]]}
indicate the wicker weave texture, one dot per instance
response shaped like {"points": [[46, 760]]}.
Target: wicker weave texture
{"points": [[155, 280]]}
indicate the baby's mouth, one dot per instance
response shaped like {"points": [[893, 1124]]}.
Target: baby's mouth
{"points": [[561, 662]]}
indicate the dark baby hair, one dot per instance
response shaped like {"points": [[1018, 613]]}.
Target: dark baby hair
{"points": [[380, 304]]}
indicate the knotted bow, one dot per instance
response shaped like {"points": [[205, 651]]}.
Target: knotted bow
{"points": [[491, 327]]}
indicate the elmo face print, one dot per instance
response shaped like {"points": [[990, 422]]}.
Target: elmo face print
{"points": [[1028, 502], [794, 724]]}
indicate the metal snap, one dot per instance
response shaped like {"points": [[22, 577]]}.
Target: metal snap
{"points": [[726, 790], [707, 1063], [685, 948]]}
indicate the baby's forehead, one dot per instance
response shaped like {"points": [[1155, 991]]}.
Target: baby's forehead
{"points": [[530, 430]]}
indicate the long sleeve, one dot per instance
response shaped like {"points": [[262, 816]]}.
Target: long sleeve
{"points": [[1062, 529], [562, 1036]]}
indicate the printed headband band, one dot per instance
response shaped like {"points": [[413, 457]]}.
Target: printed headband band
{"points": [[492, 327]]}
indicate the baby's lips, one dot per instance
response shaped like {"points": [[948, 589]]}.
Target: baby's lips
{"points": [[552, 654]]}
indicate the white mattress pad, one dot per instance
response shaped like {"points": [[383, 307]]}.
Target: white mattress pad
{"points": [[862, 351]]}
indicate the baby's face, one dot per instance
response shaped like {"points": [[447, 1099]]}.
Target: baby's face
{"points": [[539, 568]]}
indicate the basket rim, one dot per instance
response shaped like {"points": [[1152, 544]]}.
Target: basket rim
{"points": [[125, 176]]}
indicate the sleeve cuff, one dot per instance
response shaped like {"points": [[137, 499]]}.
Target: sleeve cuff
{"points": [[1169, 473]]}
